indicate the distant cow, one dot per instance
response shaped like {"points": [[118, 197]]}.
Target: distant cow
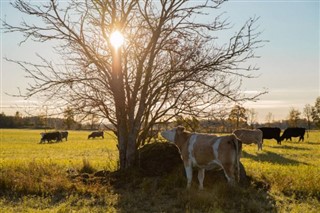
{"points": [[271, 133], [64, 135], [96, 134], [206, 152], [293, 132], [50, 136], [248, 136]]}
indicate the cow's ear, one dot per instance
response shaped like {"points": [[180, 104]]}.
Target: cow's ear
{"points": [[180, 129]]}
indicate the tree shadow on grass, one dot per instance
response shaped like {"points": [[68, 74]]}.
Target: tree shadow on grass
{"points": [[290, 147], [145, 190], [168, 193], [271, 157], [313, 143]]}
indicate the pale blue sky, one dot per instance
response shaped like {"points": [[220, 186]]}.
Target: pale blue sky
{"points": [[289, 63]]}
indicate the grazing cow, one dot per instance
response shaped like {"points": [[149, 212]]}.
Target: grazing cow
{"points": [[96, 134], [293, 132], [50, 136], [271, 133], [248, 136], [64, 134], [206, 152]]}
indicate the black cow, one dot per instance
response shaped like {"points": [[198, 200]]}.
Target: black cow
{"points": [[271, 133], [50, 136], [96, 134], [293, 132], [64, 134]]}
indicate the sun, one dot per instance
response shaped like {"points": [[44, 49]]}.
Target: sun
{"points": [[116, 39]]}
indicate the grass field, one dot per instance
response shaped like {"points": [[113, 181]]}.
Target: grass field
{"points": [[33, 178]]}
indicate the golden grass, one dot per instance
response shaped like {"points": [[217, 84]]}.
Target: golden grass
{"points": [[33, 177]]}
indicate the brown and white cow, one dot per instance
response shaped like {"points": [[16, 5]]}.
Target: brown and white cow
{"points": [[206, 152], [248, 136]]}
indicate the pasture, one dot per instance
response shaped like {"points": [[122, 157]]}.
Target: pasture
{"points": [[34, 178]]}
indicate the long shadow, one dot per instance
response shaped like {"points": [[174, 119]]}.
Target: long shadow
{"points": [[145, 191], [313, 143], [168, 193], [271, 157], [290, 147]]}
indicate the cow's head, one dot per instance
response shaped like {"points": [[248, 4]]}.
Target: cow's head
{"points": [[171, 134]]}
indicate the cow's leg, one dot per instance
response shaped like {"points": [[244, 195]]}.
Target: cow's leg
{"points": [[188, 169], [201, 177], [229, 173], [301, 139]]}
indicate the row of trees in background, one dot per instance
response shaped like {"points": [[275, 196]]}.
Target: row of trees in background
{"points": [[45, 121], [240, 117], [237, 117]]}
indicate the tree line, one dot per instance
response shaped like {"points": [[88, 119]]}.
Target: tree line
{"points": [[46, 122], [237, 117], [241, 117]]}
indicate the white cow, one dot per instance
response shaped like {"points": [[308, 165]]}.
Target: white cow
{"points": [[248, 136], [206, 152]]}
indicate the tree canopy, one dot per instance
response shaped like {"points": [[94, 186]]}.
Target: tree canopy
{"points": [[171, 62]]}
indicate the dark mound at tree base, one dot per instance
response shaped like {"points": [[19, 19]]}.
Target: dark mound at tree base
{"points": [[159, 160]]}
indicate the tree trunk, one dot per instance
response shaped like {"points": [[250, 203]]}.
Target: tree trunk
{"points": [[127, 149], [130, 152]]}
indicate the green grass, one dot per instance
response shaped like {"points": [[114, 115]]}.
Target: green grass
{"points": [[22, 146], [292, 170], [34, 178]]}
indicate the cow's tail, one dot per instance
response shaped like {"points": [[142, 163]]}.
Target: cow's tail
{"points": [[238, 148]]}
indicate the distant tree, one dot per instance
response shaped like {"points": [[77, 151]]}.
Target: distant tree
{"points": [[68, 117], [6, 121], [269, 119], [316, 113], [18, 119], [94, 120], [190, 123], [238, 115], [307, 111], [252, 117], [170, 64], [293, 117]]}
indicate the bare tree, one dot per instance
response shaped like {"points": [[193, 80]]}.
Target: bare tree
{"points": [[252, 117], [170, 64], [316, 113], [269, 118], [307, 111], [293, 117]]}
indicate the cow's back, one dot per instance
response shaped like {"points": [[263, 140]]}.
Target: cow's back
{"points": [[293, 132], [201, 149], [248, 136], [270, 132], [208, 149]]}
